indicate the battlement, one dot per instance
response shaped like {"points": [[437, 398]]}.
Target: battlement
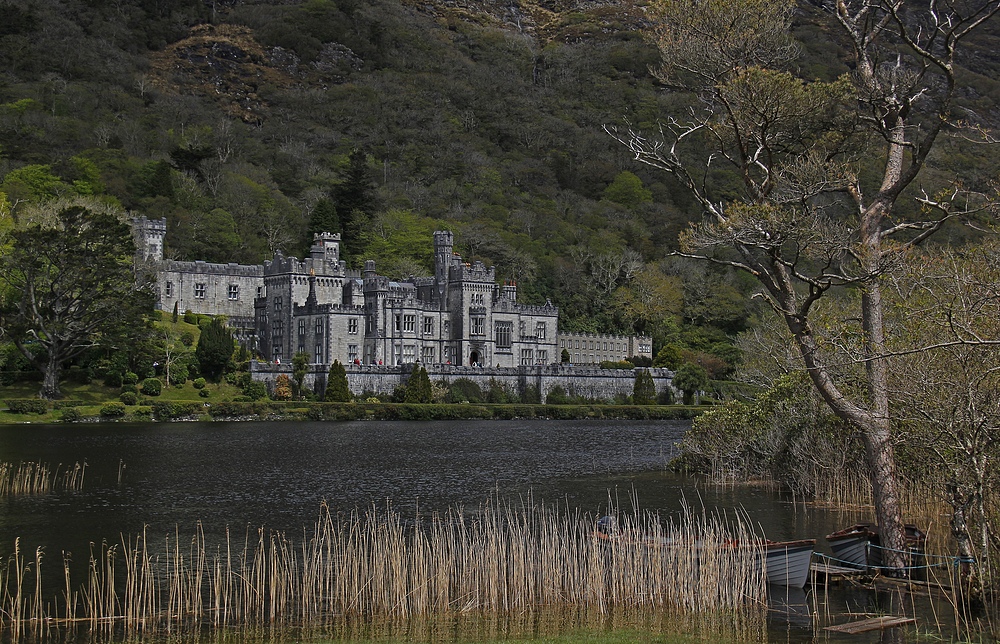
{"points": [[205, 268]]}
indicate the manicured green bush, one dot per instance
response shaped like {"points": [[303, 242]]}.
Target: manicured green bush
{"points": [[130, 378], [141, 414], [190, 317], [151, 387], [27, 406], [199, 383], [204, 393], [71, 415], [179, 374], [130, 388], [113, 409], [129, 398]]}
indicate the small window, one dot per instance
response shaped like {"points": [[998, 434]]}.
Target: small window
{"points": [[319, 327], [318, 355], [541, 356], [302, 327], [409, 323], [352, 352], [398, 323], [260, 291], [168, 290], [526, 355], [277, 305], [540, 330], [478, 325], [427, 354], [352, 325], [428, 325], [234, 291], [199, 291]]}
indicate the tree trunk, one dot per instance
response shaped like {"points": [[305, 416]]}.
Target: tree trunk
{"points": [[50, 378]]}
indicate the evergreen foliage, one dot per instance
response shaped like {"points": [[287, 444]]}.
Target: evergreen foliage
{"points": [[337, 389], [418, 387], [300, 366], [215, 348], [644, 389]]}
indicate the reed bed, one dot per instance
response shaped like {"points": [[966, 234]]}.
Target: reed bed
{"points": [[39, 478], [502, 559]]}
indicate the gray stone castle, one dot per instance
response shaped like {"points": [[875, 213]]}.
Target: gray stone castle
{"points": [[455, 320]]}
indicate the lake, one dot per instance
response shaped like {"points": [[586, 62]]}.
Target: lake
{"points": [[168, 478]]}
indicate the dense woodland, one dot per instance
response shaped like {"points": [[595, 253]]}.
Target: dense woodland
{"points": [[249, 126]]}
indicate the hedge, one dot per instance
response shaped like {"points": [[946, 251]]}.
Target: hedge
{"points": [[27, 406]]}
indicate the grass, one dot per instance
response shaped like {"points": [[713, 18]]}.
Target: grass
{"points": [[500, 562]]}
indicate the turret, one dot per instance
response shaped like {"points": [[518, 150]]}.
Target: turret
{"points": [[149, 234], [326, 246]]}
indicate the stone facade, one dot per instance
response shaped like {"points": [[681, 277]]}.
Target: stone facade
{"points": [[593, 348]]}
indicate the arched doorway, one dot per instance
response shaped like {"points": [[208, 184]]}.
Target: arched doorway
{"points": [[474, 358]]}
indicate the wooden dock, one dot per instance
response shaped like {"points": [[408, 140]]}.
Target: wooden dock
{"points": [[872, 624], [830, 572]]}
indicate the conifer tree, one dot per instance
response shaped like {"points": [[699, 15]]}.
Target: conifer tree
{"points": [[300, 366], [418, 388], [644, 389], [215, 348], [337, 389]]}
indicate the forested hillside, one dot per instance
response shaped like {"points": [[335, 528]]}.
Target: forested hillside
{"points": [[251, 125]]}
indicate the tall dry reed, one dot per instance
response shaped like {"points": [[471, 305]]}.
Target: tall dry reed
{"points": [[39, 478], [501, 559]]}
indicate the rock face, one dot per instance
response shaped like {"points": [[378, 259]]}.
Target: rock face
{"points": [[226, 62]]}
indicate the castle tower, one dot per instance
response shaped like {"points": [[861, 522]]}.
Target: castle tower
{"points": [[444, 243], [326, 247], [149, 234]]}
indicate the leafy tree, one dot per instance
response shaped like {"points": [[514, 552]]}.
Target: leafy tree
{"points": [[627, 190], [644, 389], [282, 387], [69, 287], [690, 378], [418, 387], [300, 366], [215, 348], [337, 389], [794, 213], [564, 356]]}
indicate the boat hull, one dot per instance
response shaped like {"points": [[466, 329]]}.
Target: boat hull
{"points": [[788, 563]]}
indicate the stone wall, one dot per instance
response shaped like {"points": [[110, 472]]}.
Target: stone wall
{"points": [[592, 383]]}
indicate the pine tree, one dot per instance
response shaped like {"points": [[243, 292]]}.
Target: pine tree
{"points": [[336, 384], [173, 318], [354, 198], [323, 218], [418, 388], [644, 390], [215, 348]]}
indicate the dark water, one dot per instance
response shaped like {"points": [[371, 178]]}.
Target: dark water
{"points": [[169, 477]]}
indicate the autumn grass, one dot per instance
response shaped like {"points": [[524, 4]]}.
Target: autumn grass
{"points": [[500, 560]]}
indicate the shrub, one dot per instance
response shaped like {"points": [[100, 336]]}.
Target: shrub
{"points": [[204, 393], [557, 396], [187, 339], [255, 390], [27, 406], [142, 414], [337, 389], [129, 398], [199, 383], [151, 387], [130, 388], [130, 378], [71, 415], [282, 387], [113, 409], [178, 374], [190, 318], [464, 390], [215, 348]]}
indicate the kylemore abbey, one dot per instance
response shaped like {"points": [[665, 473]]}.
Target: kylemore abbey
{"points": [[458, 322]]}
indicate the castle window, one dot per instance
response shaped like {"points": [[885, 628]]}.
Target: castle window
{"points": [[428, 325], [427, 354], [478, 325], [234, 291], [409, 323], [540, 330], [352, 352], [277, 354], [409, 353], [352, 325], [318, 356], [302, 346], [526, 355], [277, 305], [541, 356], [302, 327], [277, 329], [319, 327], [260, 291], [447, 328], [504, 332], [168, 291], [199, 291], [398, 323]]}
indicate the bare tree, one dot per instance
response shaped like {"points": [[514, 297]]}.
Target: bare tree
{"points": [[805, 222]]}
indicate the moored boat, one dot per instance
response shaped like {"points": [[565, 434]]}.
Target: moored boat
{"points": [[859, 545], [788, 563]]}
